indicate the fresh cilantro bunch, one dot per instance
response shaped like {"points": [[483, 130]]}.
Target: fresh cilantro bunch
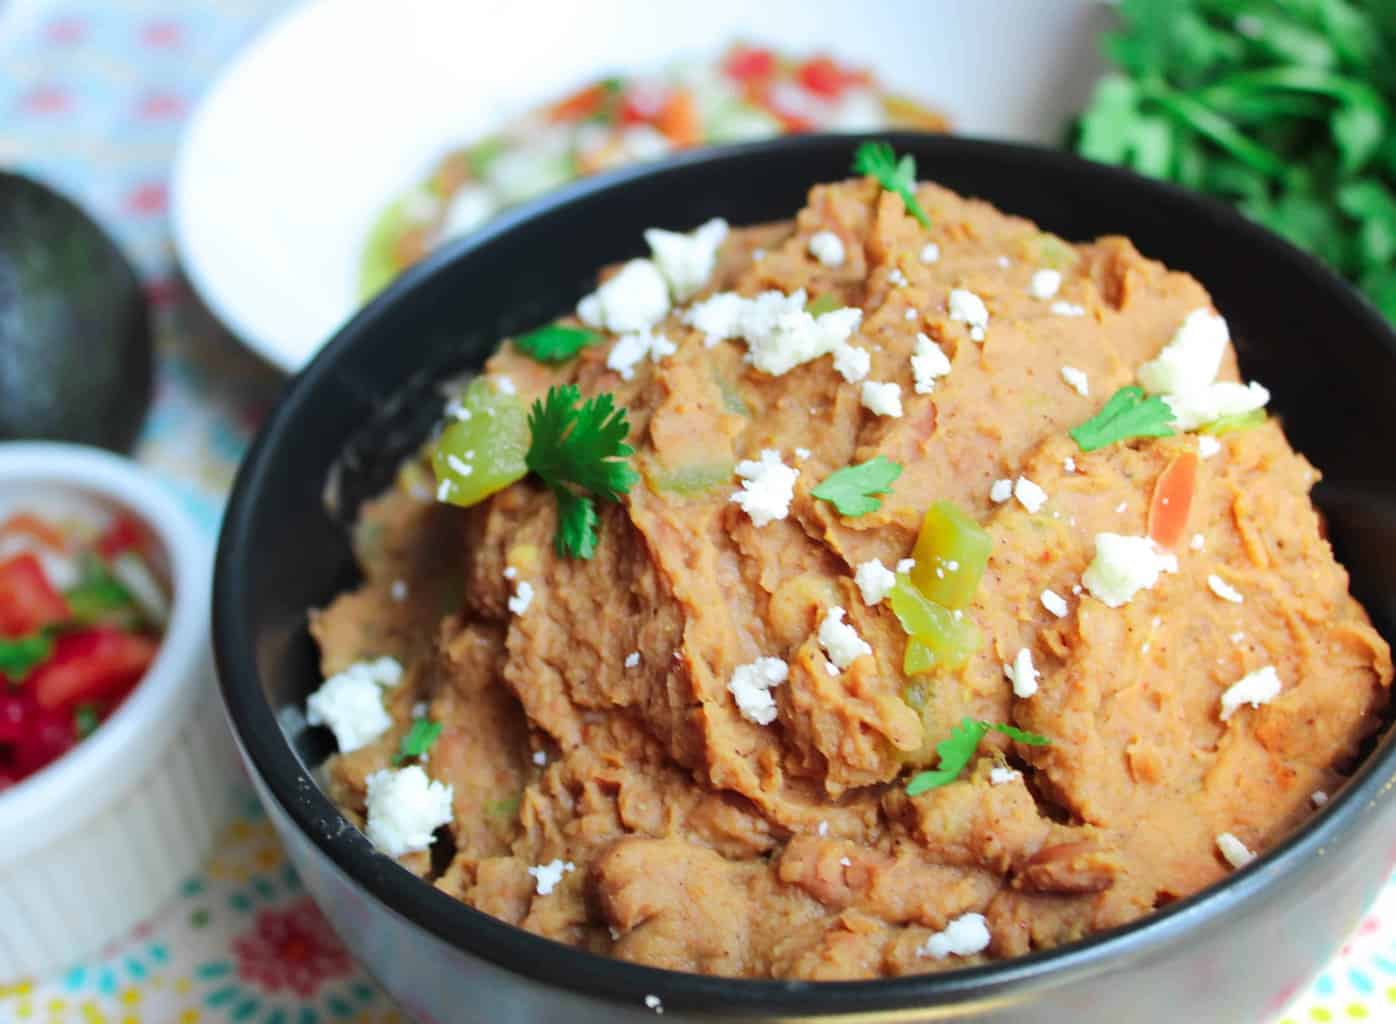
{"points": [[877, 160], [1283, 108], [579, 451]]}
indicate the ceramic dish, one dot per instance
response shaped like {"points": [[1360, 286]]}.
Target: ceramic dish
{"points": [[292, 155], [367, 401], [97, 840]]}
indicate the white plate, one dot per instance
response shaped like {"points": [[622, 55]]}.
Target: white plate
{"points": [[343, 103]]}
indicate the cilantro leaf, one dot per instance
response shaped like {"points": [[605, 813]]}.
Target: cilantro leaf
{"points": [[957, 750], [99, 596], [555, 343], [1127, 414], [86, 718], [21, 655], [579, 448], [418, 740], [851, 489], [877, 160]]}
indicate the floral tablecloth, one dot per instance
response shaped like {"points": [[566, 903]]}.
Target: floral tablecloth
{"points": [[92, 97]]}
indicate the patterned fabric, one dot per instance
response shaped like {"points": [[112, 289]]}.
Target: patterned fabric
{"points": [[92, 97]]}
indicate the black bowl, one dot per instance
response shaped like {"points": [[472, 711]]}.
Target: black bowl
{"points": [[1232, 953]]}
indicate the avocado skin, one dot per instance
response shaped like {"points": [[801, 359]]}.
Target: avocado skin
{"points": [[75, 341]]}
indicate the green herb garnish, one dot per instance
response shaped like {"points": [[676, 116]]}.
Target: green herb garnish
{"points": [[21, 655], [958, 750], [99, 596], [555, 343], [86, 718], [851, 489], [418, 740], [580, 453], [1127, 414], [877, 160]]}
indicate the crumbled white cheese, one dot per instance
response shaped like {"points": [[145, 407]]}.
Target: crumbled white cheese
{"points": [[1319, 797], [1223, 398], [510, 572], [1060, 308], [998, 775], [966, 935], [1207, 445], [906, 565], [1234, 851], [827, 248], [523, 597], [1029, 495], [1237, 637], [883, 398], [404, 808], [823, 828], [350, 702], [632, 659], [540, 758], [1069, 464], [631, 349], [968, 308], [840, 640], [1000, 491], [1190, 361], [768, 486], [547, 876], [928, 362], [398, 591], [1044, 283], [687, 260], [634, 299], [653, 1002], [1121, 507], [896, 278], [1022, 674], [852, 363], [845, 862], [1004, 262], [930, 252], [1054, 603], [779, 333], [803, 453], [1223, 589], [1123, 566], [875, 581], [1077, 380], [750, 687], [910, 315], [1255, 688]]}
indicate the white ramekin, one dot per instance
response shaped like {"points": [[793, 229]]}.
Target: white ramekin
{"points": [[97, 841]]}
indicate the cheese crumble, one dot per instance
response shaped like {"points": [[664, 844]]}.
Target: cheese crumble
{"points": [[547, 876], [882, 398], [1223, 589], [631, 349], [966, 935], [350, 703], [750, 687], [687, 260], [1060, 308], [968, 308], [841, 641], [999, 775], [852, 363], [404, 809], [930, 252], [1077, 380], [635, 298], [1029, 495], [1207, 446], [1054, 603], [1044, 283], [896, 278], [1000, 491], [827, 248], [1184, 373], [1255, 688], [779, 333], [1022, 674], [632, 659], [768, 487], [1123, 566], [1234, 851], [523, 597], [875, 581], [928, 363]]}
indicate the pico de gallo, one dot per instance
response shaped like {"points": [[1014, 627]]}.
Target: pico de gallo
{"points": [[82, 611], [750, 92]]}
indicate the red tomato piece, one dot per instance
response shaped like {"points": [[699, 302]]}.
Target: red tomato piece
{"points": [[749, 63], [1172, 500], [124, 534], [28, 601], [581, 104], [821, 76], [679, 120], [91, 664], [31, 737], [29, 525]]}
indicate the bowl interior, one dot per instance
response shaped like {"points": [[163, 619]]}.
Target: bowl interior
{"points": [[370, 397]]}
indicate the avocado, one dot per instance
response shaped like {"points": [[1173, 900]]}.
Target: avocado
{"points": [[75, 339]]}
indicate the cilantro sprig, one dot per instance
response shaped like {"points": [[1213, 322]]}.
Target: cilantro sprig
{"points": [[1127, 414], [579, 452], [555, 343], [852, 489], [877, 160], [417, 740], [957, 750], [20, 655]]}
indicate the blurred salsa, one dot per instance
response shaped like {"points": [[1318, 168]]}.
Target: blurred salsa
{"points": [[82, 610], [750, 92]]}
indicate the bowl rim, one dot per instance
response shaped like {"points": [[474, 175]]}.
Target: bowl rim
{"points": [[515, 950], [97, 772]]}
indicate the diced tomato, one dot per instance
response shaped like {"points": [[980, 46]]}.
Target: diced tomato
{"points": [[581, 104], [679, 120], [1172, 500], [124, 534], [821, 76], [30, 736], [28, 602], [91, 664], [749, 63], [643, 102], [26, 524]]}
